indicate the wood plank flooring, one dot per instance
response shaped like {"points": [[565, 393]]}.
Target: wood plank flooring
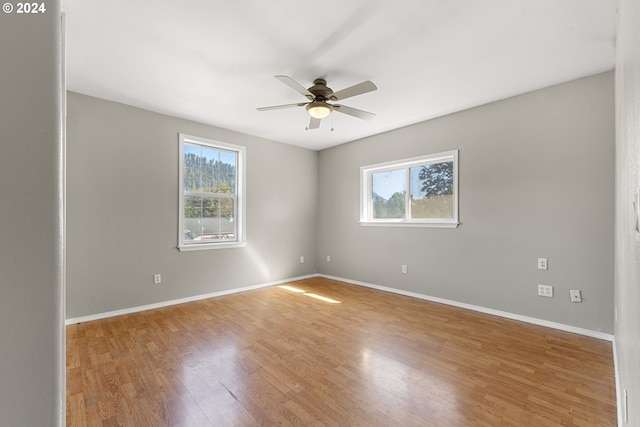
{"points": [[368, 358]]}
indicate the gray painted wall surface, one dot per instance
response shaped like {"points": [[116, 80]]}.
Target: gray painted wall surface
{"points": [[536, 180], [627, 268], [123, 214], [31, 273]]}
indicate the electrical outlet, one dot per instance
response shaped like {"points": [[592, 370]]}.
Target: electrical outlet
{"points": [[328, 258], [301, 260], [157, 279], [404, 269], [542, 263], [575, 295], [545, 291]]}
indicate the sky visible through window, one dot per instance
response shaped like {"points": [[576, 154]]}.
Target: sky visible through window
{"points": [[389, 182], [211, 153]]}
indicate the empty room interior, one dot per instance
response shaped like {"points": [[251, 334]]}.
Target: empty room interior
{"points": [[245, 213]]}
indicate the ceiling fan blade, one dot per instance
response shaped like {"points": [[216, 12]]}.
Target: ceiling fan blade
{"points": [[279, 107], [295, 86], [361, 114], [314, 123], [354, 90]]}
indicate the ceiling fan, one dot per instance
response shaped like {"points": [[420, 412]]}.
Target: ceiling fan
{"points": [[319, 96]]}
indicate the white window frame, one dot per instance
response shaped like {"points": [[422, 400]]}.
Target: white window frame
{"points": [[366, 192], [240, 241]]}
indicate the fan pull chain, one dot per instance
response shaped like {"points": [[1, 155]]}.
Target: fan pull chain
{"points": [[332, 123]]}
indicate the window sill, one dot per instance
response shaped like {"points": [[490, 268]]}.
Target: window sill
{"points": [[409, 224], [205, 246]]}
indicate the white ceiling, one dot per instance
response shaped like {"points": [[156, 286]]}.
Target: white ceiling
{"points": [[214, 61]]}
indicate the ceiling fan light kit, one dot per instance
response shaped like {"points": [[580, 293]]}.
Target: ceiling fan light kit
{"points": [[319, 109], [318, 95]]}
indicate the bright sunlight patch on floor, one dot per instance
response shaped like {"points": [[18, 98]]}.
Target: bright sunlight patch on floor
{"points": [[309, 294], [321, 298]]}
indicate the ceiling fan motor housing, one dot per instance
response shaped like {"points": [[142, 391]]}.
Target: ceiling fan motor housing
{"points": [[320, 90]]}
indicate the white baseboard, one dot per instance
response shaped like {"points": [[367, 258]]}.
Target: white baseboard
{"points": [[527, 319], [532, 320], [137, 309]]}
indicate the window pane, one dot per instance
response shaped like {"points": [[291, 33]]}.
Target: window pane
{"points": [[192, 218], [388, 194], [432, 191], [191, 181], [192, 158], [227, 218], [228, 158], [190, 152], [218, 219], [227, 183], [209, 218], [227, 172], [209, 159]]}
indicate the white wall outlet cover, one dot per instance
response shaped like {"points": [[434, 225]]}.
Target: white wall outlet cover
{"points": [[576, 296], [545, 291], [542, 263]]}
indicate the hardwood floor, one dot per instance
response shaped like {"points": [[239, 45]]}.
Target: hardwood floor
{"points": [[369, 358]]}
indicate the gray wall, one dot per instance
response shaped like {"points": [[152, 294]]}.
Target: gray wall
{"points": [[536, 180], [627, 268], [31, 272], [123, 213]]}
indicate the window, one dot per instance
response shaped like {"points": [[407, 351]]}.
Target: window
{"points": [[416, 192], [211, 194]]}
